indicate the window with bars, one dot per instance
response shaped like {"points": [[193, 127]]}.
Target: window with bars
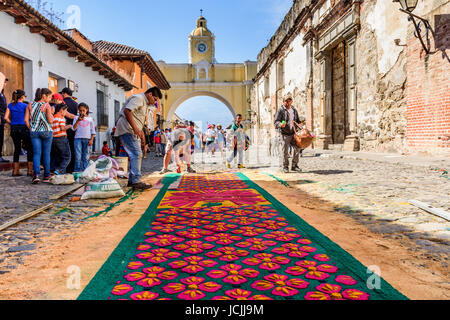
{"points": [[116, 110], [102, 113]]}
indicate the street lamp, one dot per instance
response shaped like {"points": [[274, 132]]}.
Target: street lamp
{"points": [[408, 6]]}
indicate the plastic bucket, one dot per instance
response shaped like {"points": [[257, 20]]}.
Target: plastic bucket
{"points": [[123, 163]]}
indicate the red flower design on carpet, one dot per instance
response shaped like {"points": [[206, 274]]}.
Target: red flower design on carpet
{"points": [[281, 285], [194, 233], [151, 277], [256, 244], [312, 270], [173, 211], [164, 240], [328, 291], [227, 254], [144, 247], [145, 295], [195, 222], [240, 212], [239, 294], [171, 219], [291, 249], [281, 236], [158, 255], [272, 225], [166, 228], [233, 274], [264, 215], [134, 265], [195, 214], [244, 221], [249, 231], [267, 261], [347, 280], [193, 247], [216, 209], [322, 257], [219, 217], [221, 227], [223, 239], [193, 264], [192, 288], [122, 289]]}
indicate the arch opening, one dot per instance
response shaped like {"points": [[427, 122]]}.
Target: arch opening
{"points": [[203, 107]]}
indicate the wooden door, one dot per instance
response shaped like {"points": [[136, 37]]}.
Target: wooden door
{"points": [[12, 68], [339, 108], [53, 84]]}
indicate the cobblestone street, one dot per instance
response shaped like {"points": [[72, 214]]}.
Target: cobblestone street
{"points": [[21, 197], [376, 192]]}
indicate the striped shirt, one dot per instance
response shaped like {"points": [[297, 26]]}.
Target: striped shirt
{"points": [[58, 127], [38, 118]]}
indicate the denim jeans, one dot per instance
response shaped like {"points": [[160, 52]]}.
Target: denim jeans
{"points": [[82, 154], [133, 147], [42, 146], [61, 154]]}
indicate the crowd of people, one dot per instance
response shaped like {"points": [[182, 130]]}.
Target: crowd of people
{"points": [[55, 131], [58, 134]]}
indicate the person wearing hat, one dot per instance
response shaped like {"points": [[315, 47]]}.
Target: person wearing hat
{"points": [[285, 120], [72, 112], [3, 107]]}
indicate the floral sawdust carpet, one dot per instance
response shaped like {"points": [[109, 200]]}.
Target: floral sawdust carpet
{"points": [[222, 237]]}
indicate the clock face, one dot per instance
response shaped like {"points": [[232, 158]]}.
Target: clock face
{"points": [[202, 47]]}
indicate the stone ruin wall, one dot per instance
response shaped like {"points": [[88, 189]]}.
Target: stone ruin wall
{"points": [[381, 74]]}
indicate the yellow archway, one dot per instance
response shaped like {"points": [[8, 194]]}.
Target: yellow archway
{"points": [[230, 83]]}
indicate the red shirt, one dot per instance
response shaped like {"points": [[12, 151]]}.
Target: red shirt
{"points": [[106, 150], [157, 140]]}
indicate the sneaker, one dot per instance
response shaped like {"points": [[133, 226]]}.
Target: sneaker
{"points": [[142, 186], [241, 166], [286, 170], [228, 165], [47, 179], [190, 170], [164, 171], [297, 169], [35, 180]]}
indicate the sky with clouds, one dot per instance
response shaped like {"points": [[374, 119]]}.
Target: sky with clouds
{"points": [[242, 28]]}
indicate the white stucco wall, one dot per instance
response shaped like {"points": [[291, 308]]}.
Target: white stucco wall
{"points": [[295, 66], [389, 24], [17, 40]]}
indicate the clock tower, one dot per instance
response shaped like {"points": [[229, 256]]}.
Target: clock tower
{"points": [[201, 43]]}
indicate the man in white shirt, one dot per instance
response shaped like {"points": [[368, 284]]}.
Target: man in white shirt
{"points": [[129, 129]]}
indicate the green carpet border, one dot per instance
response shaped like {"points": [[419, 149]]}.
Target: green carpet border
{"points": [[100, 286], [334, 251]]}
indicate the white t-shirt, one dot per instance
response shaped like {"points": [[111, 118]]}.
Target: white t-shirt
{"points": [[140, 108]]}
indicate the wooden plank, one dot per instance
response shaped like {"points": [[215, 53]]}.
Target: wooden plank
{"points": [[63, 193], [25, 217], [426, 207]]}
